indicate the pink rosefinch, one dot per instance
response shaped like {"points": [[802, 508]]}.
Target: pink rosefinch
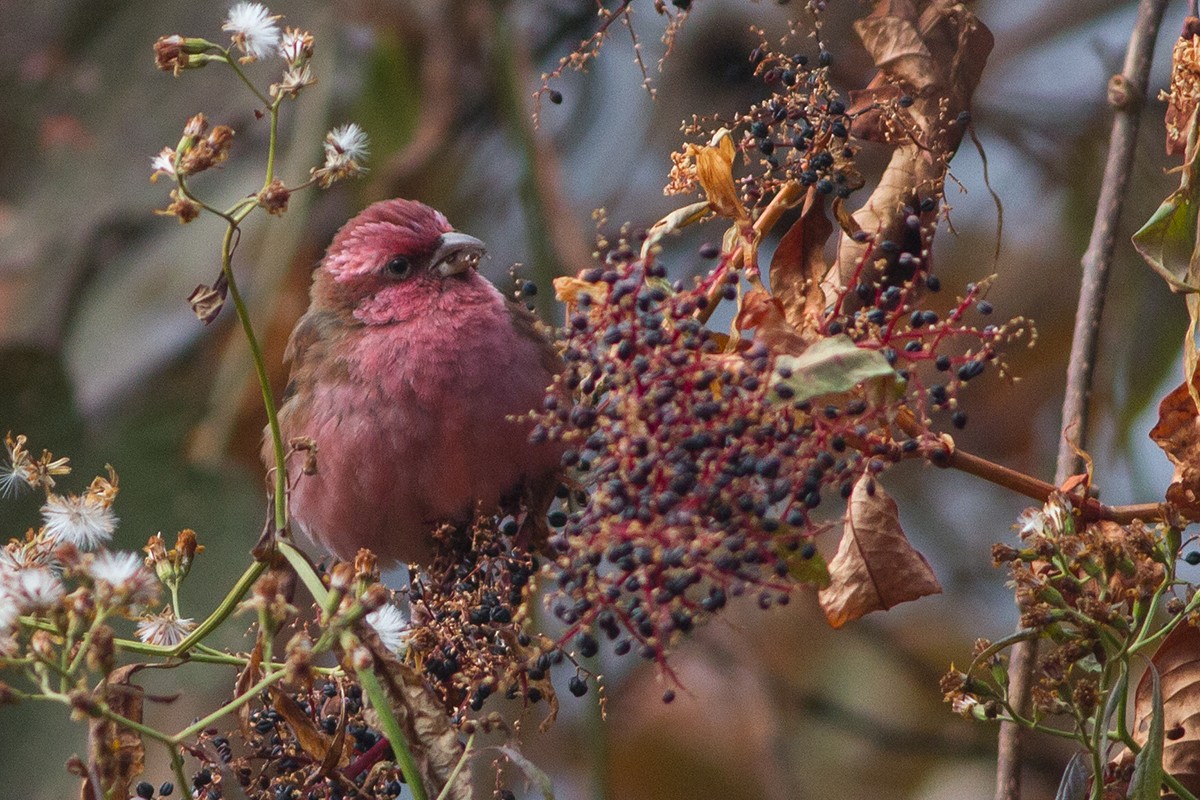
{"points": [[405, 371]]}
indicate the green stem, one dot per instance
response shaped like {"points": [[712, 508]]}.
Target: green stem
{"points": [[77, 662], [174, 587], [227, 607], [271, 148], [308, 576], [177, 767], [445, 792], [232, 61], [395, 735], [260, 369], [233, 705]]}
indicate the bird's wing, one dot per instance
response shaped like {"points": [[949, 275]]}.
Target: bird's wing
{"points": [[312, 334], [529, 326]]}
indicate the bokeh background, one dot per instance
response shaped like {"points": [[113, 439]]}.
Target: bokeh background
{"points": [[101, 358]]}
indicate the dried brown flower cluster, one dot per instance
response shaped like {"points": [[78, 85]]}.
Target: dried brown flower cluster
{"points": [[470, 622], [1084, 587]]}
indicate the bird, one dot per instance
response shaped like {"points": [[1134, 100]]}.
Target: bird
{"points": [[415, 378]]}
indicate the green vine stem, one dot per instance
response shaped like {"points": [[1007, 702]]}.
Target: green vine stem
{"points": [[395, 735]]}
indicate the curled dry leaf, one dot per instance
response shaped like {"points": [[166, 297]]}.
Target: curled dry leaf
{"points": [[1178, 434], [116, 754], [714, 171], [798, 266], [875, 567], [1185, 86], [431, 738], [936, 57], [764, 313], [1178, 665], [678, 219], [207, 301], [315, 744]]}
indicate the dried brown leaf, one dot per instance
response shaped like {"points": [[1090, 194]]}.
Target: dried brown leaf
{"points": [[763, 313], [433, 742], [314, 743], [1185, 86], [798, 265], [714, 171], [1178, 665], [1177, 432], [936, 57], [249, 676], [116, 754], [875, 567], [207, 301]]}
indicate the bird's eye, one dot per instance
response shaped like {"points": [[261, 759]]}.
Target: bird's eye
{"points": [[398, 266]]}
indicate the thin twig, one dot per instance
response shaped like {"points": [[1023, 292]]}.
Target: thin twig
{"points": [[1096, 261]]}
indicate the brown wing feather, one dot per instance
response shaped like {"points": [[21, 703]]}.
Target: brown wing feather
{"points": [[528, 325]]}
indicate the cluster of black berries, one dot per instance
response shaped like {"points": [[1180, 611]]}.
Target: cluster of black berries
{"points": [[469, 614], [700, 469], [802, 131], [278, 756], [936, 354]]}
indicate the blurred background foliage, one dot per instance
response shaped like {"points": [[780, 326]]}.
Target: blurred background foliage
{"points": [[102, 360]]}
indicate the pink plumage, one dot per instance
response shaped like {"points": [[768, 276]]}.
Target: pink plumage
{"points": [[405, 371]]}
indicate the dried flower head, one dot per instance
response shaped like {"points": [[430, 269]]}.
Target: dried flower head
{"points": [[253, 29], [176, 53], [296, 46], [346, 147], [85, 521], [391, 626], [35, 590], [122, 576], [164, 628]]}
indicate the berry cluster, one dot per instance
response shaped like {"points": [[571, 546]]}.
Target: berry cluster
{"points": [[700, 462], [700, 472], [800, 133], [284, 744], [469, 613]]}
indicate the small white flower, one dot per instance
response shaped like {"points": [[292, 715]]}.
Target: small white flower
{"points": [[963, 704], [36, 589], [114, 568], [1058, 513], [253, 29], [296, 46], [391, 625], [347, 143], [1032, 520], [123, 574], [345, 147], [84, 521], [164, 164], [163, 629]]}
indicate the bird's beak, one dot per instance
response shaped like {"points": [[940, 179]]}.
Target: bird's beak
{"points": [[457, 253]]}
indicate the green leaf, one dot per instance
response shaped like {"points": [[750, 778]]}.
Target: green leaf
{"points": [[831, 366], [1074, 783], [1168, 238], [1146, 783], [808, 567]]}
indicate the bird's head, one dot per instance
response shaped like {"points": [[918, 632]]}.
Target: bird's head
{"points": [[393, 260]]}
